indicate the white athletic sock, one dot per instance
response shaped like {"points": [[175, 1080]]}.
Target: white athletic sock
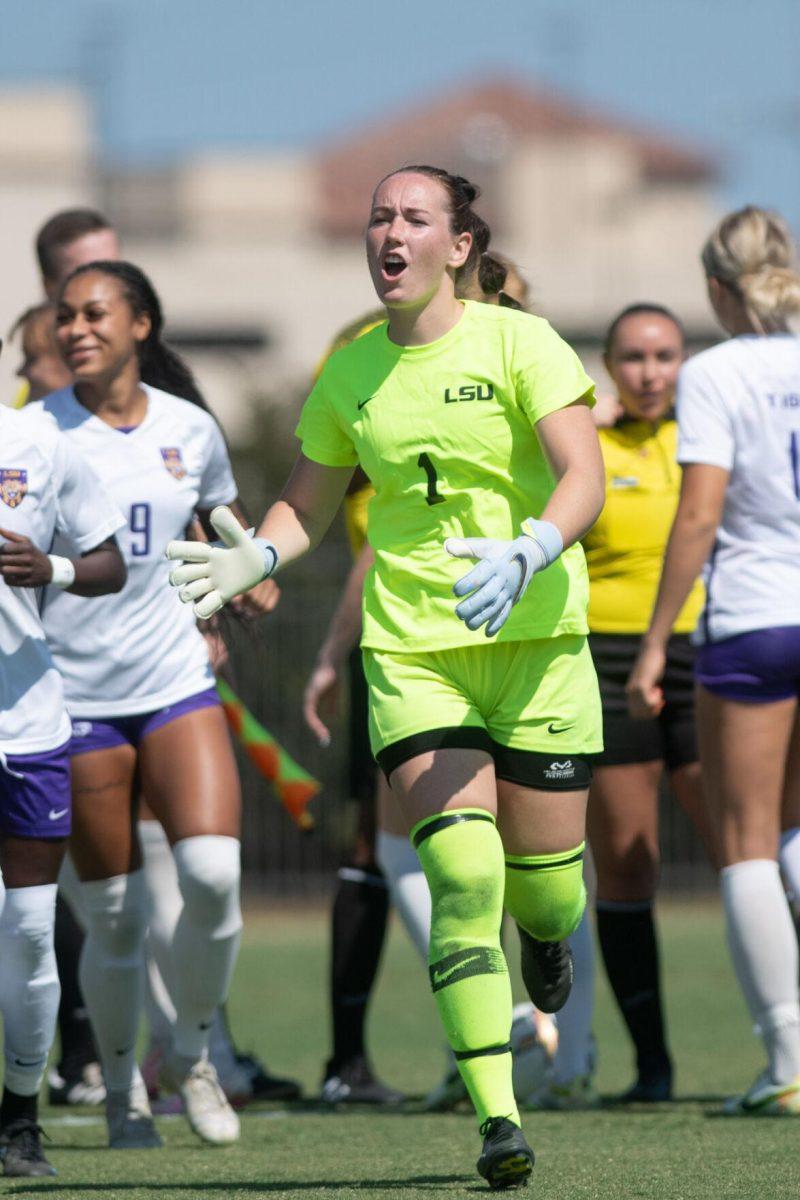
{"points": [[29, 987], [789, 860], [164, 907], [763, 946], [111, 970], [70, 887], [207, 935], [575, 1053], [408, 887]]}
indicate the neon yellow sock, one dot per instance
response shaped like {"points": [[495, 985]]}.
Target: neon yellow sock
{"points": [[462, 857], [545, 892]]}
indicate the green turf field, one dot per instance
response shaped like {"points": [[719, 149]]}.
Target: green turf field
{"points": [[683, 1151]]}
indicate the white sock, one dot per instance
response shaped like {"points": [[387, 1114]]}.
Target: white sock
{"points": [[164, 905], [408, 887], [221, 1051], [111, 970], [70, 887], [207, 935], [763, 946], [575, 1053], [29, 987], [789, 859]]}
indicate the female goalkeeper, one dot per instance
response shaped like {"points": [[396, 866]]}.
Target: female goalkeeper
{"points": [[472, 422]]}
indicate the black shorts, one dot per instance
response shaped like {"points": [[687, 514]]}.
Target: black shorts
{"points": [[527, 768], [363, 770], [671, 735]]}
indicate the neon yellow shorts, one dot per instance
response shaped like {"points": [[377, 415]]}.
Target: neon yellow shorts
{"points": [[532, 705]]}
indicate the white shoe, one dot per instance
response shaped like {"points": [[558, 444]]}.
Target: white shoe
{"points": [[577, 1095], [206, 1105], [130, 1121], [448, 1093], [87, 1088], [766, 1099]]}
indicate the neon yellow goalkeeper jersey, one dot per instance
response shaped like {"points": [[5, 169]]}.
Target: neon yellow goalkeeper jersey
{"points": [[446, 434]]}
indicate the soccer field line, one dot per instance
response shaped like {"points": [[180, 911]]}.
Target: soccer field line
{"points": [[78, 1121]]}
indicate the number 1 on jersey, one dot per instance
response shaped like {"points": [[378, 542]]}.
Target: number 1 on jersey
{"points": [[433, 496]]}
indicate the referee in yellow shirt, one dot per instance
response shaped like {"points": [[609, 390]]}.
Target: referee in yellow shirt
{"points": [[624, 553]]}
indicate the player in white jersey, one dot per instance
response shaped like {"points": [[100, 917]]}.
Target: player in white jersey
{"points": [[739, 512], [68, 239], [45, 489], [141, 695]]}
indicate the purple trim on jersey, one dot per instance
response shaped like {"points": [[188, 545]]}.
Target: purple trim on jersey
{"points": [[757, 667], [36, 794], [126, 428], [120, 731]]}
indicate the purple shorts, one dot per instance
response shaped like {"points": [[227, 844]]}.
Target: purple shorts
{"points": [[36, 794], [756, 668], [119, 731]]}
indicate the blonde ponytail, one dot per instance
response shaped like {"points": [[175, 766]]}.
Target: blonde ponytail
{"points": [[752, 253]]}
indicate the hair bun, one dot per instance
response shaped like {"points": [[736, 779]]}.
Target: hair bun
{"points": [[470, 191]]}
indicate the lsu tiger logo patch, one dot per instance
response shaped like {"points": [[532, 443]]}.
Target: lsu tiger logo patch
{"points": [[13, 485], [173, 461]]}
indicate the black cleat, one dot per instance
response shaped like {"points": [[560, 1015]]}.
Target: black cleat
{"points": [[265, 1086], [21, 1149], [353, 1083], [506, 1160], [651, 1087], [546, 971]]}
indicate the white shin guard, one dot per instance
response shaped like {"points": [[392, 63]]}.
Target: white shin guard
{"points": [[206, 937], [29, 987], [408, 887], [165, 904], [111, 971]]}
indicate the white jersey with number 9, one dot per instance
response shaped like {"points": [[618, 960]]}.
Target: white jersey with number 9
{"points": [[138, 650]]}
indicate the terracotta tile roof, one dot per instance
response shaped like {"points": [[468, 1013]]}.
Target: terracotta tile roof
{"points": [[467, 131]]}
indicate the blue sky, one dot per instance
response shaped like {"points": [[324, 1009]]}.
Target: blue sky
{"points": [[174, 75]]}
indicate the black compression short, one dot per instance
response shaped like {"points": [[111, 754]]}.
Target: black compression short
{"points": [[671, 736]]}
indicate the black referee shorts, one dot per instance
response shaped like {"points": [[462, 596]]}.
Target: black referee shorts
{"points": [[671, 735]]}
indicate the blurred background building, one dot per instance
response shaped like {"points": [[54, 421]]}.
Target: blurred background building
{"points": [[259, 256]]}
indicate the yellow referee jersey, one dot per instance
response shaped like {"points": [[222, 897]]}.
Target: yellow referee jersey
{"points": [[625, 548]]}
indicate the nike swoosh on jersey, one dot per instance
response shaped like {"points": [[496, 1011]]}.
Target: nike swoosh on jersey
{"points": [[56, 816], [441, 976], [551, 728], [364, 403]]}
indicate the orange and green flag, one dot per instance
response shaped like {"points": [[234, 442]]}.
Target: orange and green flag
{"points": [[294, 786]]}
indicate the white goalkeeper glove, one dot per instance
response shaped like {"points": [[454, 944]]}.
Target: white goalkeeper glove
{"points": [[502, 576], [212, 573]]}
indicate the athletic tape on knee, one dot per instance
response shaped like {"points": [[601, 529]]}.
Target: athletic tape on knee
{"points": [[545, 893]]}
